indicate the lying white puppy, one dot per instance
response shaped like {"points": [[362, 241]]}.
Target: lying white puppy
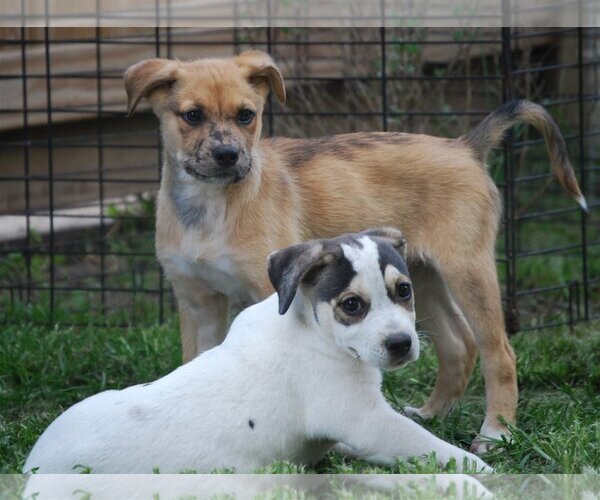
{"points": [[281, 386]]}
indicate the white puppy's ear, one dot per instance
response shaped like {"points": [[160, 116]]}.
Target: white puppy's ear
{"points": [[288, 266], [144, 78], [392, 235], [262, 72]]}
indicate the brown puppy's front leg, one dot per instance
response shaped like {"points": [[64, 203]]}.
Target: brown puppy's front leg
{"points": [[454, 341], [474, 283], [203, 321]]}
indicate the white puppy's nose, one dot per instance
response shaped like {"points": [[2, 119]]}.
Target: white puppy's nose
{"points": [[398, 344]]}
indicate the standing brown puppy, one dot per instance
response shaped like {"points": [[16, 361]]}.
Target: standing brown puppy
{"points": [[229, 198]]}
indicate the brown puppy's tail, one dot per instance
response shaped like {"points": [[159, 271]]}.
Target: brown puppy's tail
{"points": [[490, 132]]}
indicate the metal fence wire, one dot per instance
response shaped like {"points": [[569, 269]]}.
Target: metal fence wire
{"points": [[78, 178]]}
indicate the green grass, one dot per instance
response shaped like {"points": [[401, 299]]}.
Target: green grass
{"points": [[43, 371]]}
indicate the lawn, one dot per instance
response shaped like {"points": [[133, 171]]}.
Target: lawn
{"points": [[44, 370]]}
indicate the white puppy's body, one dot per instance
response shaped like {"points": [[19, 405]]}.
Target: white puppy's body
{"points": [[279, 387], [197, 417]]}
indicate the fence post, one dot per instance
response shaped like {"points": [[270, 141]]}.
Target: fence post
{"points": [[100, 145], [512, 316], [582, 176], [161, 278], [50, 144], [384, 101], [26, 152], [270, 116]]}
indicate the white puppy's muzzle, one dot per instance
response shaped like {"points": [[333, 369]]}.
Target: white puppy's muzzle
{"points": [[401, 348]]}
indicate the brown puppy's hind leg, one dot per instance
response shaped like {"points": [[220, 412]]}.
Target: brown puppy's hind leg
{"points": [[452, 337], [474, 283]]}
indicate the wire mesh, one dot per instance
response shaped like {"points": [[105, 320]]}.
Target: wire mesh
{"points": [[78, 178]]}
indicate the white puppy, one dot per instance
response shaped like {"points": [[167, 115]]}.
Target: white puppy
{"points": [[283, 386]]}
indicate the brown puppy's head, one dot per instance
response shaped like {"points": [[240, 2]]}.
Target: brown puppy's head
{"points": [[210, 110]]}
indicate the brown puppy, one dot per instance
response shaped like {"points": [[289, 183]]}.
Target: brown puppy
{"points": [[229, 198]]}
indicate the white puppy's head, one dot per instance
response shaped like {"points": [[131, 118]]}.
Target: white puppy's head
{"points": [[358, 290]]}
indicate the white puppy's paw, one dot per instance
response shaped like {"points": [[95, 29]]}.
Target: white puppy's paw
{"points": [[466, 462], [480, 466]]}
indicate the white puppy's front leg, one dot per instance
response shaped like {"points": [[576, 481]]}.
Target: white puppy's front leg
{"points": [[382, 435]]}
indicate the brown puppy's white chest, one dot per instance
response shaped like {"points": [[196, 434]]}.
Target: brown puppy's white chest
{"points": [[217, 269], [195, 247]]}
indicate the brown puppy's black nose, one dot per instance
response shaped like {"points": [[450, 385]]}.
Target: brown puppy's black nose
{"points": [[398, 345], [226, 156]]}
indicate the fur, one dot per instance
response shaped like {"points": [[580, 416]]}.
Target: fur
{"points": [[437, 191], [280, 387]]}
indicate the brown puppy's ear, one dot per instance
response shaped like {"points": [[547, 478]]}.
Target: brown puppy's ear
{"points": [[262, 72], [145, 77], [392, 235], [289, 266]]}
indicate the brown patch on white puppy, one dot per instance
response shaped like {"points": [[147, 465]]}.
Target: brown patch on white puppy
{"points": [[228, 199]]}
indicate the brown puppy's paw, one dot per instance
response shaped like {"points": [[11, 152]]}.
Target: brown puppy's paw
{"points": [[488, 438], [423, 412], [429, 410]]}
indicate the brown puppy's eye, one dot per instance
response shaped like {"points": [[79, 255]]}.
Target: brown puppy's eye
{"points": [[404, 290], [353, 305], [193, 116], [245, 116]]}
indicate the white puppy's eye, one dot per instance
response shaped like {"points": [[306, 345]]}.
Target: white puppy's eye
{"points": [[404, 290], [353, 305]]}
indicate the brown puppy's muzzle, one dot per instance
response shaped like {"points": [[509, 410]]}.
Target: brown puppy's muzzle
{"points": [[218, 163], [226, 156]]}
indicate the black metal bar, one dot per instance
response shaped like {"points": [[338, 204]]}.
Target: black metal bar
{"points": [[582, 175], [131, 40], [91, 241], [553, 67], [542, 290], [159, 150], [139, 17], [384, 102], [26, 152], [547, 213], [82, 180], [50, 167], [100, 159], [577, 301], [169, 37], [512, 320], [270, 114], [57, 288], [112, 76], [80, 324], [84, 253], [549, 251], [542, 33], [571, 314], [287, 113], [567, 137]]}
